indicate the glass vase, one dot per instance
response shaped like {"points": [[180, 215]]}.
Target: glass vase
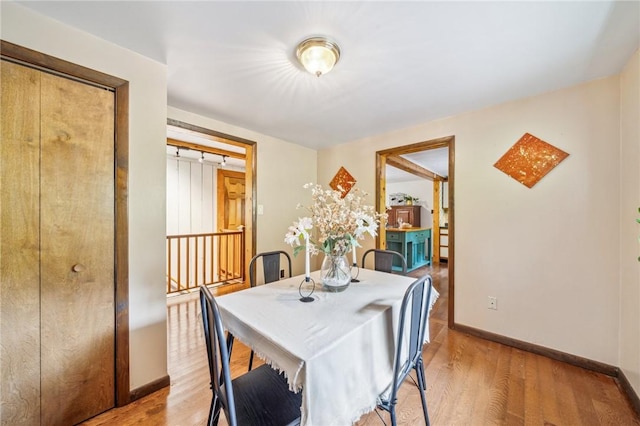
{"points": [[335, 273]]}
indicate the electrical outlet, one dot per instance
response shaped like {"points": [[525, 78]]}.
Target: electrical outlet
{"points": [[281, 273], [493, 303]]}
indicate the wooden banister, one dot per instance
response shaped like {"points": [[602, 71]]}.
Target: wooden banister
{"points": [[204, 259]]}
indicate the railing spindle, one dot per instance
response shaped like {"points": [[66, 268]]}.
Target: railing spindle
{"points": [[168, 265]]}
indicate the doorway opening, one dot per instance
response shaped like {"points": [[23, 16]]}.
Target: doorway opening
{"points": [[394, 157], [211, 186]]}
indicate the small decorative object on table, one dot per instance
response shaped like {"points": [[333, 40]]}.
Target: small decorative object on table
{"points": [[335, 272], [307, 273], [339, 223], [354, 266]]}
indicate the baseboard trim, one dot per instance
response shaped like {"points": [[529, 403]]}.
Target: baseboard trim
{"points": [[578, 361], [575, 360], [627, 389], [149, 388]]}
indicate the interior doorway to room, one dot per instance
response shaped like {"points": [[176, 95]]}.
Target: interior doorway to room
{"points": [[231, 198], [230, 211], [396, 158], [210, 211]]}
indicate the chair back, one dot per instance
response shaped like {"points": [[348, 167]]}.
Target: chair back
{"points": [[411, 330], [383, 260], [270, 266], [218, 355]]}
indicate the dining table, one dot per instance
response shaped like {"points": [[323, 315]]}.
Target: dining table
{"points": [[337, 350]]}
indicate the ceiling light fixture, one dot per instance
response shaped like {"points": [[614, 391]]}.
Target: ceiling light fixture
{"points": [[201, 159], [224, 160], [318, 55], [178, 152]]}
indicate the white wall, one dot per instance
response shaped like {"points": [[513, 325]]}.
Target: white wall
{"points": [[191, 195], [282, 169], [549, 254], [629, 229], [147, 133]]}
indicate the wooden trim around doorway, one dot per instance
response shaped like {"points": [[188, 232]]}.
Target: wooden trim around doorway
{"points": [[121, 145], [123, 391]]}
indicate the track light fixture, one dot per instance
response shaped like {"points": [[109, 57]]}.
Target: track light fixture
{"points": [[201, 159], [224, 160], [177, 152]]}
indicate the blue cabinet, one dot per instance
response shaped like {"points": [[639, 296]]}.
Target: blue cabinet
{"points": [[413, 244]]}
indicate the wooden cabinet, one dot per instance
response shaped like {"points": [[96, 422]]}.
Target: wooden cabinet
{"points": [[413, 244], [408, 214]]}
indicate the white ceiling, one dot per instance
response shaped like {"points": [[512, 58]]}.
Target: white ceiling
{"points": [[402, 64]]}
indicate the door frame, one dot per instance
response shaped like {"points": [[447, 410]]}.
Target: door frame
{"points": [[120, 87], [250, 179], [381, 197]]}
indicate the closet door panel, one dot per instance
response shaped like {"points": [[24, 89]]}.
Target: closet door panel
{"points": [[19, 245], [77, 249]]}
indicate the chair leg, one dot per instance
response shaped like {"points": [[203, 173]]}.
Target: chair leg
{"points": [[230, 340], [214, 412], [392, 413], [250, 361], [422, 387], [424, 406], [423, 400], [420, 373]]}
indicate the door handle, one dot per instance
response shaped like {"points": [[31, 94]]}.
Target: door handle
{"points": [[78, 267]]}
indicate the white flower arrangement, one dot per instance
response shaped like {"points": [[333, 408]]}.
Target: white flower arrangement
{"points": [[339, 222]]}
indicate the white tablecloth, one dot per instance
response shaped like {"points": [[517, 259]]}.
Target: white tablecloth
{"points": [[338, 350]]}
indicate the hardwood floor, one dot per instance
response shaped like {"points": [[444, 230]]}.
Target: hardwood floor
{"points": [[471, 381]]}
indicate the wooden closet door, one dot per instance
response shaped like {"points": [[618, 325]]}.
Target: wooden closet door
{"points": [[77, 250], [57, 313], [19, 245]]}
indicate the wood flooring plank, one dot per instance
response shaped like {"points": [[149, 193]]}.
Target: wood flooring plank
{"points": [[498, 387], [515, 388], [534, 392], [548, 380]]}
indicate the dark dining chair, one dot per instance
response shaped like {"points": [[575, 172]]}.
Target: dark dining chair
{"points": [[271, 261], [408, 349], [259, 397], [383, 260]]}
